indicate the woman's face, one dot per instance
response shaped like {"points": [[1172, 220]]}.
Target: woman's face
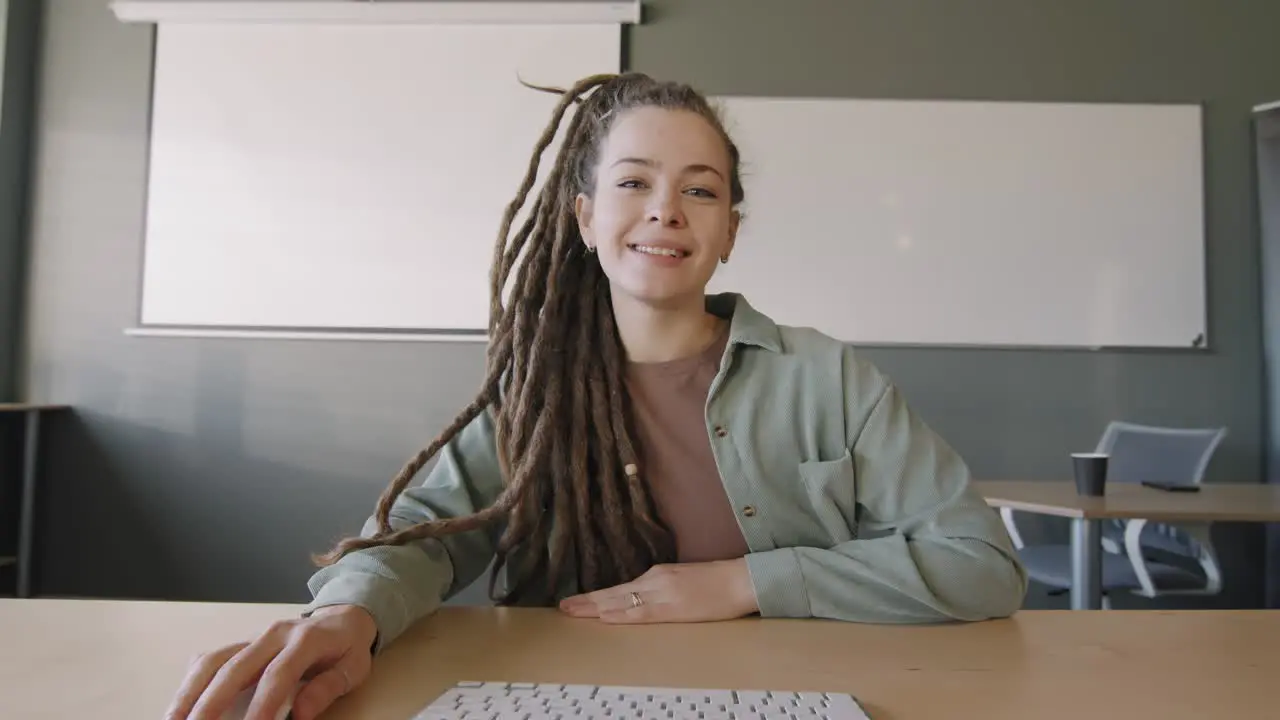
{"points": [[660, 217]]}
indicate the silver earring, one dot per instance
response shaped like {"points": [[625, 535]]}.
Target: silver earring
{"points": [[724, 259], [591, 249]]}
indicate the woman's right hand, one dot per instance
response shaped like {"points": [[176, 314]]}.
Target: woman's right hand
{"points": [[331, 652]]}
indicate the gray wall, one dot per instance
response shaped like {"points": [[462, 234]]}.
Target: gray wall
{"points": [[1268, 158], [10, 235], [209, 469], [17, 87]]}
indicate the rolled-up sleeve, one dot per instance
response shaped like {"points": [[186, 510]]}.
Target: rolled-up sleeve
{"points": [[399, 585]]}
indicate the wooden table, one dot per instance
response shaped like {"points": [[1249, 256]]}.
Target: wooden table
{"points": [[1216, 502], [27, 510], [121, 659]]}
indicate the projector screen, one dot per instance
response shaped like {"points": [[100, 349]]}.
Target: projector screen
{"points": [[344, 176]]}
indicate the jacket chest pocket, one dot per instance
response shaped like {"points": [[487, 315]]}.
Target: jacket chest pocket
{"points": [[831, 489]]}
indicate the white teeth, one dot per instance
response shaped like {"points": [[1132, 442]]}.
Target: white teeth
{"points": [[657, 251]]}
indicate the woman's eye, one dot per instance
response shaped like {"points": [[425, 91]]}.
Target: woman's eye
{"points": [[630, 184], [702, 192]]}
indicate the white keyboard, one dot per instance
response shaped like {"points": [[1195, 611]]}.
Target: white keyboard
{"points": [[531, 701]]}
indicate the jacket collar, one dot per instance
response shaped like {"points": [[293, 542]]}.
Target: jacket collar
{"points": [[747, 326]]}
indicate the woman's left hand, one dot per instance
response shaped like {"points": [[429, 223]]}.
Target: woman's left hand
{"points": [[691, 592]]}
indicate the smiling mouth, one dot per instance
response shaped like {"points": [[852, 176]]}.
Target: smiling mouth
{"points": [[660, 251]]}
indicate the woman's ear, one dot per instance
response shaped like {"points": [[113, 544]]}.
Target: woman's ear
{"points": [[582, 209], [735, 219]]}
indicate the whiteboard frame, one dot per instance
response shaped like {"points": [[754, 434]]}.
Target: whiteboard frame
{"points": [[362, 335], [371, 11]]}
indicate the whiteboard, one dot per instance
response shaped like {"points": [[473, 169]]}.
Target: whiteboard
{"points": [[973, 223], [327, 176]]}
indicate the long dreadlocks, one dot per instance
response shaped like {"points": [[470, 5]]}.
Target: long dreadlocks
{"points": [[573, 493]]}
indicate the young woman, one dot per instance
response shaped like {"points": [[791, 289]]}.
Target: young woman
{"points": [[641, 452]]}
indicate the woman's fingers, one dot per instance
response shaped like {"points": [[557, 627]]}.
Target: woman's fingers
{"points": [[272, 668], [199, 674], [280, 679], [612, 601], [310, 647], [635, 605], [325, 688], [240, 672]]}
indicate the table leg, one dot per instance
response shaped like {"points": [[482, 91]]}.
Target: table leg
{"points": [[26, 522], [1086, 564]]}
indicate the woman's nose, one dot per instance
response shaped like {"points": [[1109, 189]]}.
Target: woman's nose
{"points": [[665, 209]]}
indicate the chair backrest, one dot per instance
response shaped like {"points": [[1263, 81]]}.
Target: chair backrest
{"points": [[1160, 454]]}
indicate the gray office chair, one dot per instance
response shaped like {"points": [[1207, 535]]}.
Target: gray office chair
{"points": [[1146, 558]]}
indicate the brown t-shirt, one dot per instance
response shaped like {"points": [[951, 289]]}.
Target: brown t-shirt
{"points": [[669, 401]]}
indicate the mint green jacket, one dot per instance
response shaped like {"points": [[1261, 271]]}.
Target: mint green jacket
{"points": [[852, 507]]}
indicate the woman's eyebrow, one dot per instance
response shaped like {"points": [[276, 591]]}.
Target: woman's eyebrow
{"points": [[689, 169]]}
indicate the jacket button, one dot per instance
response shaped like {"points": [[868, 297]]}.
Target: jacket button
{"points": [[749, 511], [721, 431]]}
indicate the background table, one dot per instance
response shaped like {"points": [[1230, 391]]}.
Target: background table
{"points": [[1216, 502]]}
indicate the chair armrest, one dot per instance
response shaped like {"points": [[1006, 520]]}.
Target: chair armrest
{"points": [[1010, 525], [1205, 556], [1133, 549]]}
